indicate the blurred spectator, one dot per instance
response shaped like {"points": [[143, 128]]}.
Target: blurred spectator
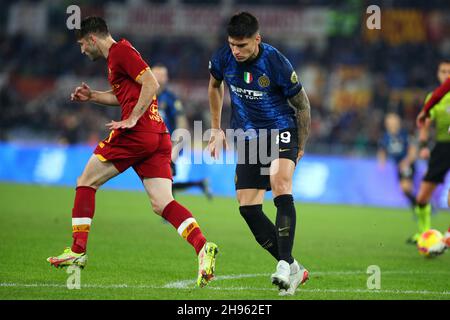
{"points": [[352, 79]]}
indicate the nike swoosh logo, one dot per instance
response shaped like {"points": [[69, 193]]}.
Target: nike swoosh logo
{"points": [[282, 229], [231, 75], [283, 150]]}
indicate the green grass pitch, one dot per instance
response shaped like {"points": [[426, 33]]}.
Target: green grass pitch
{"points": [[134, 255]]}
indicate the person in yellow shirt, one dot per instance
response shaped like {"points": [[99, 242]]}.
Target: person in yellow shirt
{"points": [[437, 110]]}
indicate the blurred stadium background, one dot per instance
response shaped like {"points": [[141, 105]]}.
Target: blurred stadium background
{"points": [[353, 77]]}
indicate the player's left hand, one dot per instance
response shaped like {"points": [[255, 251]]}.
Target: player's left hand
{"points": [[300, 155], [217, 142], [124, 124]]}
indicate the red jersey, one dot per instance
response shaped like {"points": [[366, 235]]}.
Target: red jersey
{"points": [[125, 66]]}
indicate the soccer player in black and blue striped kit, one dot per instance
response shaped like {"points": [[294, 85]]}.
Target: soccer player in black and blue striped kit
{"points": [[269, 105], [396, 144]]}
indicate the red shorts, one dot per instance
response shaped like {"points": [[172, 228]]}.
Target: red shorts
{"points": [[149, 153]]}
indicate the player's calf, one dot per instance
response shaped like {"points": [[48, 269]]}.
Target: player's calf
{"points": [[262, 228]]}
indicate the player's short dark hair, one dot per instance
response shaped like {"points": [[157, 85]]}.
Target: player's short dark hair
{"points": [[92, 24], [242, 25], [444, 60]]}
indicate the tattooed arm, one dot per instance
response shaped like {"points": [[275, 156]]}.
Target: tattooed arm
{"points": [[301, 103]]}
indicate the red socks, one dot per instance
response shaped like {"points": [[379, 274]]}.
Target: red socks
{"points": [[185, 224], [82, 214], [176, 214]]}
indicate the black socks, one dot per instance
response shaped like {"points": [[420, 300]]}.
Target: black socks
{"points": [[262, 228], [278, 239], [285, 226]]}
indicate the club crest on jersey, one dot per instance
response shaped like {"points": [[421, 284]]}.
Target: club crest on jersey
{"points": [[263, 81], [248, 78]]}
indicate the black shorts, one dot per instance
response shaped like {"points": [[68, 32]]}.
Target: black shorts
{"points": [[407, 174], [439, 163], [252, 170]]}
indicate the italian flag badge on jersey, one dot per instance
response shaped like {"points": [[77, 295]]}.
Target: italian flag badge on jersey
{"points": [[248, 78]]}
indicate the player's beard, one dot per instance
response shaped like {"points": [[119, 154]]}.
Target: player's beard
{"points": [[94, 56], [93, 53]]}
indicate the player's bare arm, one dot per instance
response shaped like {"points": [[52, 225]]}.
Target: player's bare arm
{"points": [[84, 93], [424, 151], [149, 88], [215, 94], [301, 103], [107, 98]]}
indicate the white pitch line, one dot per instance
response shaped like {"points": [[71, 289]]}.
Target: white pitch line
{"points": [[185, 283], [190, 284], [125, 286], [182, 284]]}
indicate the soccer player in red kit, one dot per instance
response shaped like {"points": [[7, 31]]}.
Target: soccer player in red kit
{"points": [[140, 140]]}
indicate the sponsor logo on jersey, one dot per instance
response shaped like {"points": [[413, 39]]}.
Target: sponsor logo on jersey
{"points": [[248, 94]]}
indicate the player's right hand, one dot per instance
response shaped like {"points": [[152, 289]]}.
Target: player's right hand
{"points": [[420, 120], [424, 153], [217, 142], [82, 93]]}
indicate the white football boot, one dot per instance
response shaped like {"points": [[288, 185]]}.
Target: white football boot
{"points": [[298, 276], [281, 276]]}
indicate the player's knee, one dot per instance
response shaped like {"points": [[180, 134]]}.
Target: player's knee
{"points": [[421, 202], [281, 186], [82, 181], [241, 199], [422, 199], [158, 205]]}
